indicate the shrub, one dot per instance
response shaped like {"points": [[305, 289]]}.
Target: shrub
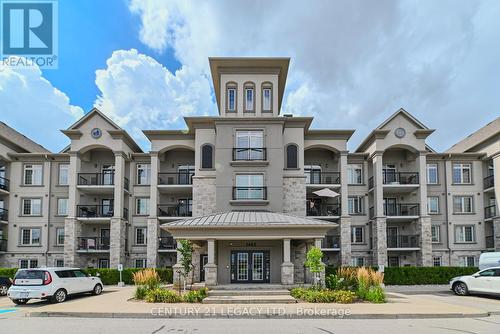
{"points": [[112, 276], [147, 277], [424, 275], [349, 276], [334, 282], [160, 295], [140, 292], [314, 262], [195, 296], [323, 296], [375, 294], [8, 272], [344, 297]]}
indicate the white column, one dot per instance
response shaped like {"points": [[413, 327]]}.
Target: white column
{"points": [[211, 250], [119, 184], [286, 250], [378, 186], [287, 267], [153, 228], [344, 193], [73, 195], [211, 266], [153, 197]]}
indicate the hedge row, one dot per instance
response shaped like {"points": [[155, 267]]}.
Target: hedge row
{"points": [[108, 276], [418, 275]]}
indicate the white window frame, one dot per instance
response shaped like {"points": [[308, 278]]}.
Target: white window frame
{"points": [[144, 236], [31, 239], [36, 174], [139, 205], [235, 101], [462, 167], [463, 199], [436, 168], [249, 184], [463, 261], [267, 103], [352, 174], [357, 205], [56, 263], [146, 169], [357, 261], [460, 234], [58, 236], [32, 207], [30, 263], [60, 212], [143, 265], [437, 229], [354, 236], [63, 175], [249, 103], [429, 206], [437, 261]]}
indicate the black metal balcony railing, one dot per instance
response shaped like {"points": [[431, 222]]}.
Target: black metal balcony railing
{"points": [[249, 193], [249, 154], [403, 241], [320, 177], [172, 210], [401, 209], [167, 243], [390, 177], [176, 178], [126, 183], [93, 243], [489, 181], [490, 241], [4, 214], [490, 211], [331, 241], [370, 182], [4, 183], [3, 245], [323, 210], [96, 179], [94, 211]]}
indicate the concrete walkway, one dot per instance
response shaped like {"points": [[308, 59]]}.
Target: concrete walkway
{"points": [[117, 303]]}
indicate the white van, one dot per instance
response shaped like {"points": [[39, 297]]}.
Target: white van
{"points": [[489, 259]]}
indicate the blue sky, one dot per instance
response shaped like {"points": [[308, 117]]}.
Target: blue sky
{"points": [[353, 63]]}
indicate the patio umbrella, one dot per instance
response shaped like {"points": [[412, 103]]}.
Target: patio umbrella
{"points": [[325, 192]]}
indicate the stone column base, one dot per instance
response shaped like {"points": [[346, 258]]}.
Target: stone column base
{"points": [[345, 241], [287, 269], [177, 277], [210, 274]]}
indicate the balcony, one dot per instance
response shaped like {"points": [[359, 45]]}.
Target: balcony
{"points": [[401, 242], [250, 154], [410, 210], [489, 182], [397, 182], [176, 182], [166, 211], [96, 183], [93, 244], [249, 193], [4, 185], [315, 178], [331, 242], [323, 210], [167, 244], [3, 245], [98, 212], [490, 211], [4, 215], [490, 242]]}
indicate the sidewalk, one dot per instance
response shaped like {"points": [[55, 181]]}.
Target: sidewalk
{"points": [[117, 303]]}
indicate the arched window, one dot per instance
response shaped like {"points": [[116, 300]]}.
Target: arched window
{"points": [[207, 156], [292, 156], [267, 97], [231, 97], [249, 96]]}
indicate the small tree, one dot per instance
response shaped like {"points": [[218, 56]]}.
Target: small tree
{"points": [[315, 265], [186, 250]]}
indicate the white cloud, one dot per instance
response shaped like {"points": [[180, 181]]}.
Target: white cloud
{"points": [[140, 93], [44, 108], [353, 62]]}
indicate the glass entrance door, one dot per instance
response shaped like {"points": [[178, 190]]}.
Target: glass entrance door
{"points": [[250, 267]]}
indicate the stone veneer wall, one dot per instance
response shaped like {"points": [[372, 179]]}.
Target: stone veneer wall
{"points": [[298, 257], [496, 234], [379, 233], [294, 195], [424, 230], [204, 195], [117, 244]]}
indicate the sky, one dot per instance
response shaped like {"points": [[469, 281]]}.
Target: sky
{"points": [[144, 63]]}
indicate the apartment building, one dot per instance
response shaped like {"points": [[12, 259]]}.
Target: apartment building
{"points": [[251, 188]]}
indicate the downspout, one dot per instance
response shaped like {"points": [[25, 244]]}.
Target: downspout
{"points": [[49, 212], [446, 210]]}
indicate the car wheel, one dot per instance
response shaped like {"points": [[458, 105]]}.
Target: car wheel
{"points": [[97, 290], [3, 290], [20, 301], [460, 289], [59, 296]]}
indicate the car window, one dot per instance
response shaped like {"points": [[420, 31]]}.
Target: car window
{"points": [[64, 273], [497, 272], [30, 274], [489, 272], [79, 273]]}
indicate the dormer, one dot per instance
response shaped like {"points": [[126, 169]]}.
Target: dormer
{"points": [[249, 87]]}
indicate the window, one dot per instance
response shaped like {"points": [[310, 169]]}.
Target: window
{"points": [[432, 173], [142, 206], [140, 263], [231, 99], [140, 235], [267, 97], [30, 236], [462, 173], [292, 156], [313, 174], [103, 264], [249, 145], [60, 236], [464, 233], [462, 204], [32, 206], [62, 206], [354, 174], [467, 261], [58, 263], [27, 264], [355, 205], [33, 174], [249, 98], [249, 186], [143, 174], [357, 235], [63, 174], [78, 273], [358, 261], [436, 261], [435, 233], [207, 153], [433, 204]]}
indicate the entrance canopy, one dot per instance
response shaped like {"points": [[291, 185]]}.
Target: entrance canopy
{"points": [[248, 225]]}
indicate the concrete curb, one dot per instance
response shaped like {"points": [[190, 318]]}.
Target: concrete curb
{"points": [[262, 316]]}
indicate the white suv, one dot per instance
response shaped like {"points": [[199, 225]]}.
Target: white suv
{"points": [[54, 284], [485, 281]]}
